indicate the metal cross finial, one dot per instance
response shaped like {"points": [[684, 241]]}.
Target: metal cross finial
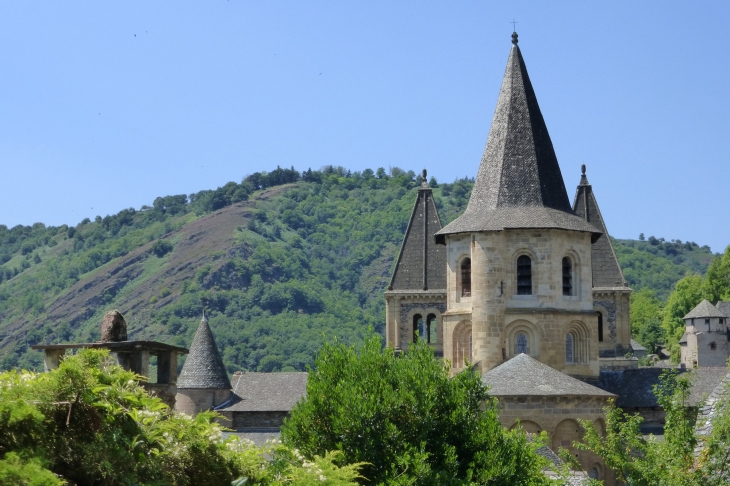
{"points": [[513, 25]]}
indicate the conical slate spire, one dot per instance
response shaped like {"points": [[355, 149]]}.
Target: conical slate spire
{"points": [[519, 184], [203, 367], [606, 269], [421, 264]]}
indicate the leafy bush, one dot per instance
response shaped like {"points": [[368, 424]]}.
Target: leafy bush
{"points": [[161, 248], [90, 422], [408, 420]]}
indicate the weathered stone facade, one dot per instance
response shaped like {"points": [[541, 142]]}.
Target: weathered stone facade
{"points": [[706, 341]]}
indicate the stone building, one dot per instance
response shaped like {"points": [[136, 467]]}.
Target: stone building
{"points": [[706, 340], [131, 355], [539, 398], [521, 270], [203, 383]]}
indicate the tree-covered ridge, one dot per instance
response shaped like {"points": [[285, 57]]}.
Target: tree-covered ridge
{"points": [[284, 258], [305, 259]]}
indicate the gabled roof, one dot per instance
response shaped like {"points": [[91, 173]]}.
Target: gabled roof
{"points": [[519, 183], [523, 375], [267, 392], [704, 309], [606, 269], [204, 367], [723, 307], [421, 264]]}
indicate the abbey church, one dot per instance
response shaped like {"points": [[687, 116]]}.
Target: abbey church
{"points": [[521, 270]]}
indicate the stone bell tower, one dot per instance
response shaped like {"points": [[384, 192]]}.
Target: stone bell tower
{"points": [[416, 297], [519, 259]]}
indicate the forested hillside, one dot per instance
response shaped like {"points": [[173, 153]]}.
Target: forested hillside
{"points": [[284, 259]]}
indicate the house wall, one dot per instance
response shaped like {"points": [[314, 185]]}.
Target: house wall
{"points": [[194, 400], [558, 417]]}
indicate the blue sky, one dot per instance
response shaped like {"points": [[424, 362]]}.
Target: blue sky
{"points": [[107, 105]]}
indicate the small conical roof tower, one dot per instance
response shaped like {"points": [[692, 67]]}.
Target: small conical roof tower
{"points": [[421, 264], [203, 367], [519, 183], [606, 269]]}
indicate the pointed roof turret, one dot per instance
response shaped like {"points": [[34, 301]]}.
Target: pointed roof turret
{"points": [[421, 264], [203, 367], [704, 309], [606, 268], [519, 184]]}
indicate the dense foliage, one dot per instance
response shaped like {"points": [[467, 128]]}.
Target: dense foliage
{"points": [[681, 458], [311, 261], [407, 420], [91, 423]]}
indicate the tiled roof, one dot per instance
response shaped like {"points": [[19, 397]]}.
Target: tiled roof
{"points": [[703, 381], [267, 392], [519, 183], [704, 309], [683, 339], [606, 269], [709, 408], [203, 367], [635, 388], [723, 307], [523, 375], [421, 263]]}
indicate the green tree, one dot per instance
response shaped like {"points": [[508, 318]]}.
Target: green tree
{"points": [[408, 420], [646, 314], [649, 462], [685, 296], [90, 422], [717, 280]]}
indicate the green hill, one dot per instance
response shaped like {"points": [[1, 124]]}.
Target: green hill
{"points": [[283, 259]]}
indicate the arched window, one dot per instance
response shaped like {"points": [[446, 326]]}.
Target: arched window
{"points": [[524, 275], [569, 348], [431, 334], [466, 277], [418, 327], [462, 344], [567, 276], [521, 344], [600, 327]]}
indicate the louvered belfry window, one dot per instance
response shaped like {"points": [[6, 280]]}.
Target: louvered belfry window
{"points": [[567, 277], [466, 277], [524, 275]]}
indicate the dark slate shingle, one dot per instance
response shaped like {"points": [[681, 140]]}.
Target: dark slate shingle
{"points": [[421, 264], [203, 367], [267, 392], [519, 183], [704, 309], [606, 269], [723, 307], [523, 375]]}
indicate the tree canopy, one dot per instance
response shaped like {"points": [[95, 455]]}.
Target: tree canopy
{"points": [[407, 420]]}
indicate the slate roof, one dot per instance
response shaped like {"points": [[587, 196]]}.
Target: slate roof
{"points": [[709, 409], [723, 307], [519, 183], [704, 309], [267, 392], [606, 268], [535, 379], [421, 264], [703, 381], [636, 346], [635, 388], [204, 367]]}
